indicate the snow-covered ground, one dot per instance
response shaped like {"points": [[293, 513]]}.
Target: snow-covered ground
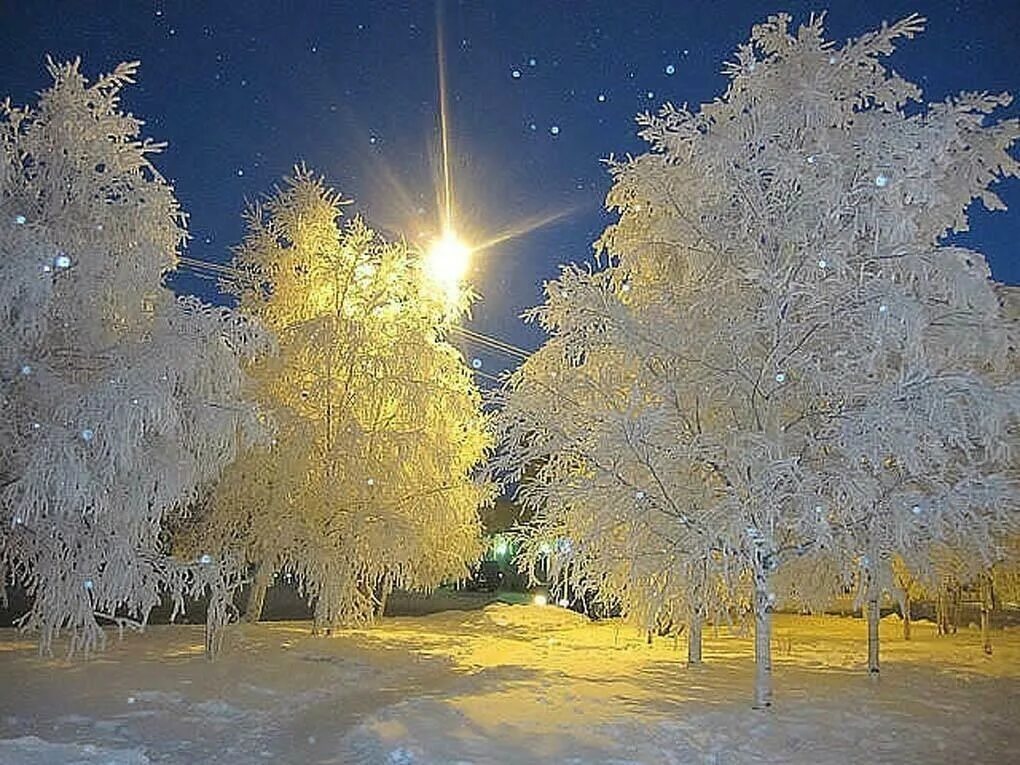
{"points": [[510, 684]]}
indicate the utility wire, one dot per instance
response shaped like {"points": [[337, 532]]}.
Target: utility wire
{"points": [[487, 376], [195, 264], [512, 348], [209, 270], [491, 343]]}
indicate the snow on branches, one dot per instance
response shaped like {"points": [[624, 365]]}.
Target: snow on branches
{"points": [[117, 400], [369, 483], [782, 365]]}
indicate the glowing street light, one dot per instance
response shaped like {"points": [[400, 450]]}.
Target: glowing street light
{"points": [[446, 263]]}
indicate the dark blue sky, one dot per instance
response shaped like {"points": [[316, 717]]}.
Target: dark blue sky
{"points": [[539, 93]]}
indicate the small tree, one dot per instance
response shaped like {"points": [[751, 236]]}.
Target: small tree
{"points": [[799, 368], [369, 483], [117, 401]]}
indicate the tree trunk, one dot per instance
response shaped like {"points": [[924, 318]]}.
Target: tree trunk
{"points": [[762, 640], [957, 603], [216, 618], [322, 618], [694, 637], [696, 615], [873, 622], [906, 617], [941, 618], [257, 597], [986, 614], [986, 640], [380, 594]]}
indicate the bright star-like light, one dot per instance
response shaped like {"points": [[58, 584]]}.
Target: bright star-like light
{"points": [[446, 259], [446, 262]]}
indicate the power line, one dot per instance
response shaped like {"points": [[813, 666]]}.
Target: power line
{"points": [[487, 376], [210, 270], [492, 343], [200, 266]]}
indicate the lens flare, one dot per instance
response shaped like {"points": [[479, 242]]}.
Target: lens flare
{"points": [[524, 227], [447, 257], [446, 262], [446, 193]]}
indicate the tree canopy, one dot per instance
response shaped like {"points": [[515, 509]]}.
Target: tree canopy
{"points": [[369, 483], [118, 401], [783, 364]]}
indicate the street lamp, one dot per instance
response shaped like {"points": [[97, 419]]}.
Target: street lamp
{"points": [[446, 263]]}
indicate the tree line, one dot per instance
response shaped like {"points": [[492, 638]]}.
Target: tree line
{"points": [[782, 377]]}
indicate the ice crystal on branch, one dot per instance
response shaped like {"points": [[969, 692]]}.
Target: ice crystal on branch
{"points": [[117, 401], [798, 358], [369, 484]]}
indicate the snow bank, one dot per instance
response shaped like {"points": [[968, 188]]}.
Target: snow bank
{"points": [[533, 617], [504, 619]]}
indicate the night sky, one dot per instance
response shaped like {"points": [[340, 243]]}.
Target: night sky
{"points": [[540, 92]]}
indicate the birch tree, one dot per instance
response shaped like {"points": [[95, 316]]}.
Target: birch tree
{"points": [[802, 370], [369, 483], [118, 402]]}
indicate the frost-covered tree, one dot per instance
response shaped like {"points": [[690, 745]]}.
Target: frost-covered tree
{"points": [[611, 516], [117, 400], [369, 484], [784, 369], [942, 566]]}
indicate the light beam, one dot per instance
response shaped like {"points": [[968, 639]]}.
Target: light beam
{"points": [[448, 256], [446, 224], [524, 228]]}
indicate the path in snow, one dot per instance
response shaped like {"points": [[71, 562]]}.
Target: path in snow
{"points": [[510, 684]]}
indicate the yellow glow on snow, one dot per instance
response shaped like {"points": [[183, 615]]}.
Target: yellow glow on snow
{"points": [[583, 671]]}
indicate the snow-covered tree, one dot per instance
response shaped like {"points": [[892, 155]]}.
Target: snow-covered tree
{"points": [[611, 517], [942, 566], [369, 483], [783, 367], [118, 402]]}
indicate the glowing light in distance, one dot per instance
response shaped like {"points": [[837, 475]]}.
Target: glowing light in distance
{"points": [[446, 262], [501, 547], [540, 600]]}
